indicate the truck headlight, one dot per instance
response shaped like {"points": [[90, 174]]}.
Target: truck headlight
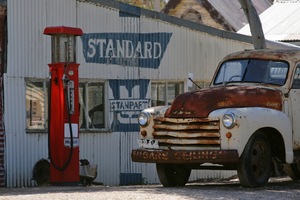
{"points": [[229, 120], [144, 118]]}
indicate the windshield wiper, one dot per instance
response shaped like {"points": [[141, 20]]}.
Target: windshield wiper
{"points": [[194, 82]]}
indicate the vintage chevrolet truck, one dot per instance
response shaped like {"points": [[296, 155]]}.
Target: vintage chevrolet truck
{"points": [[247, 120]]}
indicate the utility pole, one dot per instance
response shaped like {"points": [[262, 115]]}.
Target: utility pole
{"points": [[256, 30]]}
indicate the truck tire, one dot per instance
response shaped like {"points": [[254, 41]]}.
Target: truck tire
{"points": [[254, 165], [171, 175]]}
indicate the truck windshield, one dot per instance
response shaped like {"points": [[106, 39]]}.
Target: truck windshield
{"points": [[252, 71]]}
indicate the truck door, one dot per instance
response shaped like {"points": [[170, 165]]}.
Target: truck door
{"points": [[295, 108]]}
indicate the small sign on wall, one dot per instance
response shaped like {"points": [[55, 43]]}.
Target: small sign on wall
{"points": [[127, 99]]}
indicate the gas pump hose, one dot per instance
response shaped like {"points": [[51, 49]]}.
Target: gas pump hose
{"points": [[65, 165]]}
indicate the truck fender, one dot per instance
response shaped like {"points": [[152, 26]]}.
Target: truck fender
{"points": [[248, 121]]}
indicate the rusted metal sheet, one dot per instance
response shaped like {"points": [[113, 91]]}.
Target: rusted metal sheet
{"points": [[185, 127], [186, 120], [182, 156], [189, 141], [223, 97], [181, 134]]}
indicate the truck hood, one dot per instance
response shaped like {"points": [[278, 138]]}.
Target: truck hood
{"points": [[204, 101]]}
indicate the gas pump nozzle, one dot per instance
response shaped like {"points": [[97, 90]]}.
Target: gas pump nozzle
{"points": [[65, 79]]}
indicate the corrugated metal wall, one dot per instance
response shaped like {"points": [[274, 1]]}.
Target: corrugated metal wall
{"points": [[2, 50], [189, 50]]}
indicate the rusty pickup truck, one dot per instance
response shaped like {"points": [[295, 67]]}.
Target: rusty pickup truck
{"points": [[247, 120]]}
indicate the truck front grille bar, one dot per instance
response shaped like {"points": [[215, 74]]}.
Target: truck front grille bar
{"points": [[188, 133]]}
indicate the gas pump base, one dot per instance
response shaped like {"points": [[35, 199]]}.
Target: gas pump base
{"points": [[65, 184]]}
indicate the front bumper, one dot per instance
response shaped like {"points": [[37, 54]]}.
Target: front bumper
{"points": [[185, 156]]}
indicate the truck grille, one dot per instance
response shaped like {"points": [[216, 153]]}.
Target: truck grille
{"points": [[190, 133]]}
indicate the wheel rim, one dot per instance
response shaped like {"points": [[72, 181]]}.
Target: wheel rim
{"points": [[254, 165], [259, 159]]}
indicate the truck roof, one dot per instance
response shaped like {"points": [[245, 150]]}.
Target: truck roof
{"points": [[278, 54]]}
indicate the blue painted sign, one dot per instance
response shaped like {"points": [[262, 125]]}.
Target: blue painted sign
{"points": [[144, 50], [128, 99]]}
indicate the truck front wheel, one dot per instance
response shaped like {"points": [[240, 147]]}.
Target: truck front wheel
{"points": [[171, 175], [255, 163]]}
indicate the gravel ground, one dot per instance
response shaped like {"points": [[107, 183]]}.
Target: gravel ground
{"points": [[279, 188]]}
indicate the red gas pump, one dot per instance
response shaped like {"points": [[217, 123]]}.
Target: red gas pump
{"points": [[63, 141]]}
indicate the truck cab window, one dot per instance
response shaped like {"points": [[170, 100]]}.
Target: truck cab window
{"points": [[296, 80], [252, 71]]}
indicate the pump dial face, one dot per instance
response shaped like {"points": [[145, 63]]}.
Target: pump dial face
{"points": [[71, 72]]}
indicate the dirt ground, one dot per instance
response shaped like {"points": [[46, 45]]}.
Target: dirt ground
{"points": [[278, 188]]}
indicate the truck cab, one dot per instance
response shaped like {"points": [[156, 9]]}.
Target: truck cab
{"points": [[247, 120]]}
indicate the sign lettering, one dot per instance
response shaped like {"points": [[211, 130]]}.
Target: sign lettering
{"points": [[129, 105], [145, 50], [184, 156], [148, 155], [128, 98]]}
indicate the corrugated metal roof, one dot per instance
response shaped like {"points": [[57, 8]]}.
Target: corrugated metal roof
{"points": [[280, 22], [233, 13], [230, 11]]}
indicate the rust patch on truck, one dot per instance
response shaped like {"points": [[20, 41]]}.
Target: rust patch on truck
{"points": [[185, 156], [202, 102]]}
